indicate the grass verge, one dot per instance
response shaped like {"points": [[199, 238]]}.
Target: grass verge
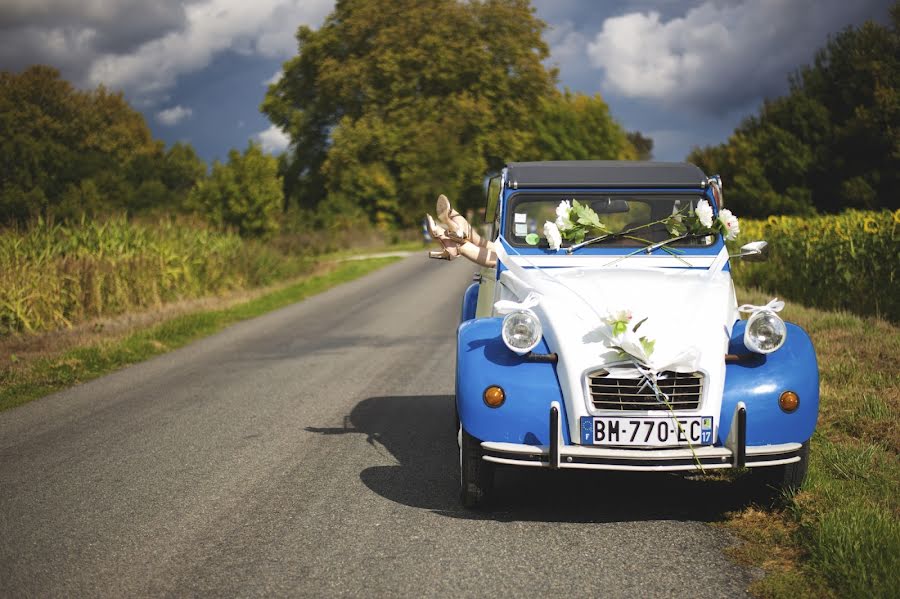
{"points": [[840, 535], [21, 383]]}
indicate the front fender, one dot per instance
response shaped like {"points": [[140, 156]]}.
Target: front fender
{"points": [[760, 380], [469, 303], [482, 360]]}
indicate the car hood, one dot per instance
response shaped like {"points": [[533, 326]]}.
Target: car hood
{"points": [[689, 313]]}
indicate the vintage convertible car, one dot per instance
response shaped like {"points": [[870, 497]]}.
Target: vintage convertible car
{"points": [[611, 338]]}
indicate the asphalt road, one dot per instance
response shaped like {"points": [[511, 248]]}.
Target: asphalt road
{"points": [[310, 452]]}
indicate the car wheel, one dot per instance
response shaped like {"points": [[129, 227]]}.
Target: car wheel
{"points": [[476, 477], [776, 482]]}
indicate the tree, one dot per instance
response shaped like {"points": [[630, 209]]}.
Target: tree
{"points": [[643, 146], [578, 127], [67, 152], [833, 142], [162, 180], [246, 193], [392, 103]]}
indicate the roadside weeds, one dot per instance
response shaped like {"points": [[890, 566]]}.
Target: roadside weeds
{"points": [[840, 535], [62, 359]]}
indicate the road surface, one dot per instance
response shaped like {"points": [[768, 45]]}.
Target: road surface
{"points": [[310, 452]]}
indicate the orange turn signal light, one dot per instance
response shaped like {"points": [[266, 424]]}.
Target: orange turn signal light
{"points": [[494, 396], [789, 401]]}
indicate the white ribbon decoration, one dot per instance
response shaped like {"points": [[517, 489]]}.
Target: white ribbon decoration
{"points": [[775, 305], [509, 306]]}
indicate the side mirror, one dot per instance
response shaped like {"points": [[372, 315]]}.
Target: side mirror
{"points": [[755, 251]]}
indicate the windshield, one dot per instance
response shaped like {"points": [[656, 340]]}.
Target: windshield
{"points": [[619, 213]]}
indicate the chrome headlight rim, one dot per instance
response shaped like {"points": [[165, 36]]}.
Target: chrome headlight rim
{"points": [[524, 317], [751, 339]]}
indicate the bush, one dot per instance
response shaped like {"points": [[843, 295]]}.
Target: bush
{"points": [[246, 193]]}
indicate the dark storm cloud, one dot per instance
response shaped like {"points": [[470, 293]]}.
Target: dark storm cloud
{"points": [[114, 25], [70, 34]]}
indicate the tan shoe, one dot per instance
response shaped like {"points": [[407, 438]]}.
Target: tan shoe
{"points": [[458, 227], [449, 247]]}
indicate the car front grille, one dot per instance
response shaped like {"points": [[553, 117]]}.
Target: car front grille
{"points": [[610, 392]]}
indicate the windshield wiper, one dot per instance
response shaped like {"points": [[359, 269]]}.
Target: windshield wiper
{"points": [[604, 238], [655, 246]]}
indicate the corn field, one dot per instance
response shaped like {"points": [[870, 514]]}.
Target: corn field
{"points": [[849, 261], [55, 275]]}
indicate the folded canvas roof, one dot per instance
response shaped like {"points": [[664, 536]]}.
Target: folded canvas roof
{"points": [[604, 173]]}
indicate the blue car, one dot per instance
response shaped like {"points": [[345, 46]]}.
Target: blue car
{"points": [[604, 334]]}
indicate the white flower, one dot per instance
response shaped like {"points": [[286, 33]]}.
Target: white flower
{"points": [[551, 232], [618, 316], [704, 213], [730, 222], [563, 221]]}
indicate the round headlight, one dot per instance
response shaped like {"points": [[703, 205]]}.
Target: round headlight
{"points": [[765, 332], [521, 331]]}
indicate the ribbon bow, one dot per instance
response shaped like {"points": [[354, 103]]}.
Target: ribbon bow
{"points": [[776, 305], [508, 306]]}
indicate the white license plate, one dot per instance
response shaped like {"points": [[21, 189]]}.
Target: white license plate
{"points": [[647, 431]]}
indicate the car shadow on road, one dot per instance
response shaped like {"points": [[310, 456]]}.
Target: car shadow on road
{"points": [[418, 432]]}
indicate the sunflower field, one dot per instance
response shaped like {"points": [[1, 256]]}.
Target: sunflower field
{"points": [[847, 261]]}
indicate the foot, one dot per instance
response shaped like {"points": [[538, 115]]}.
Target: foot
{"points": [[449, 247], [457, 226]]}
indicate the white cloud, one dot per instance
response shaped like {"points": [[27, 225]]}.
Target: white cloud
{"points": [[173, 116], [719, 54], [143, 47], [275, 78], [264, 27], [273, 140]]}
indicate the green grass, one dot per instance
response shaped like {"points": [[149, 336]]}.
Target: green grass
{"points": [[49, 374], [840, 535]]}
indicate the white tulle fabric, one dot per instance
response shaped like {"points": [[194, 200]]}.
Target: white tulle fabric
{"points": [[689, 313]]}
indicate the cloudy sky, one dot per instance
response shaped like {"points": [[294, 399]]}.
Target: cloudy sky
{"points": [[683, 72]]}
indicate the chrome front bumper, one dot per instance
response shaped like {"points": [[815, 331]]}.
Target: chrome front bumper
{"points": [[735, 454]]}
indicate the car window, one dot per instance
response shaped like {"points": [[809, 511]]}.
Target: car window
{"points": [[528, 212]]}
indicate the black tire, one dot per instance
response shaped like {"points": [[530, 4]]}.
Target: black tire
{"points": [[476, 477], [777, 482]]}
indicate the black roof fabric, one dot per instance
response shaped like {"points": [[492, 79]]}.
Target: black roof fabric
{"points": [[604, 173]]}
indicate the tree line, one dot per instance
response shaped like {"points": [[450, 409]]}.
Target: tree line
{"points": [[831, 143], [69, 153], [387, 105]]}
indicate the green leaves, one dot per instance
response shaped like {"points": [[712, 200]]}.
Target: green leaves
{"points": [[405, 98], [831, 143], [584, 220], [619, 327], [574, 126], [246, 193], [585, 215], [67, 152], [648, 345]]}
